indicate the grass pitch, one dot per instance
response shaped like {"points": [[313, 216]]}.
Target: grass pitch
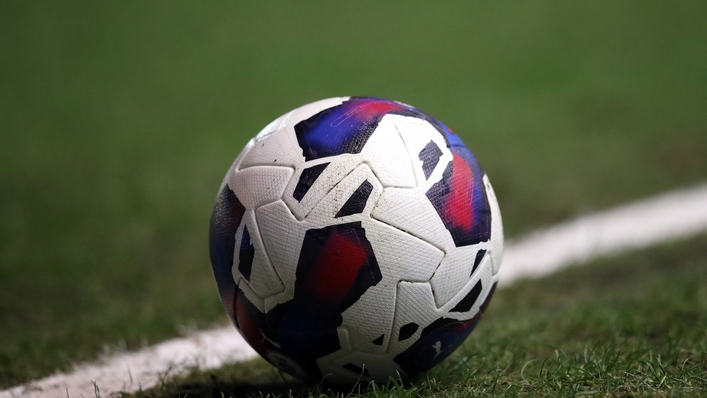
{"points": [[633, 325], [118, 121]]}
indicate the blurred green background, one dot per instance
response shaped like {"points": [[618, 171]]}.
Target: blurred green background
{"points": [[118, 121]]}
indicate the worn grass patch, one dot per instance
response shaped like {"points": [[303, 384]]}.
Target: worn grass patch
{"points": [[633, 325]]}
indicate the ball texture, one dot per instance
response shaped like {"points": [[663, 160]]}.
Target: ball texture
{"points": [[355, 240]]}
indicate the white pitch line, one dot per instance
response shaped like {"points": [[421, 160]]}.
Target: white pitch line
{"points": [[663, 218], [142, 369], [671, 216]]}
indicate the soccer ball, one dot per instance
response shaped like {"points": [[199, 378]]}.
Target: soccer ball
{"points": [[355, 240]]}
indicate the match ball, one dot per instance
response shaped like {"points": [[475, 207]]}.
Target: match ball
{"points": [[355, 240]]}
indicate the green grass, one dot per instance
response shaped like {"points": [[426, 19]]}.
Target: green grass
{"points": [[118, 121], [633, 325]]}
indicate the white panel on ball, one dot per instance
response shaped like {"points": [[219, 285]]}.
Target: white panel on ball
{"points": [[278, 148], [335, 170], [417, 134], [376, 314], [414, 309], [326, 210], [453, 273], [282, 235], [403, 256], [274, 126], [487, 280], [260, 274], [496, 250], [256, 186], [411, 211], [386, 153]]}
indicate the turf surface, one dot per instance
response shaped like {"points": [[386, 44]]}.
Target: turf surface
{"points": [[119, 120], [633, 325]]}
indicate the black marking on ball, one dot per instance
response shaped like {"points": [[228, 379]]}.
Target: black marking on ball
{"points": [[479, 256], [429, 156], [468, 301], [306, 179], [357, 202], [245, 257], [379, 340], [406, 331]]}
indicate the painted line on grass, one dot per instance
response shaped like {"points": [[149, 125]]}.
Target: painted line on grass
{"points": [[671, 216], [143, 369], [667, 217]]}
